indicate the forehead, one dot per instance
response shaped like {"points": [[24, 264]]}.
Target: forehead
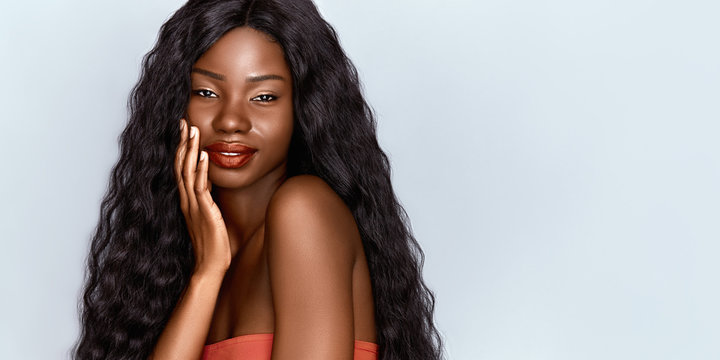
{"points": [[244, 51]]}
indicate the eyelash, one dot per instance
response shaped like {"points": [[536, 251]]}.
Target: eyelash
{"points": [[209, 94], [265, 96], [201, 91]]}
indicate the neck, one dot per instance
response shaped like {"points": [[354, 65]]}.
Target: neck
{"points": [[243, 209]]}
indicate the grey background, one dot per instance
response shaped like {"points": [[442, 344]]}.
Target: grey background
{"points": [[558, 159]]}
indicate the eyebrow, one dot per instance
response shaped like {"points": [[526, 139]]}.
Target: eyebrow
{"points": [[209, 73], [252, 78], [258, 78]]}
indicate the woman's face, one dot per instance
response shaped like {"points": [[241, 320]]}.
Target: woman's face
{"points": [[242, 103]]}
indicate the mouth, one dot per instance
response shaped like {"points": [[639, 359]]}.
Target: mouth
{"points": [[230, 155]]}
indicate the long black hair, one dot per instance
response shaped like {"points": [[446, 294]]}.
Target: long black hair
{"points": [[141, 255]]}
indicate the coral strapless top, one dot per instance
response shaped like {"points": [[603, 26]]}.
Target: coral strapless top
{"points": [[259, 347]]}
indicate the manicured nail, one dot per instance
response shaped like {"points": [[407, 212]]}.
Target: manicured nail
{"points": [[182, 124], [193, 130], [203, 155]]}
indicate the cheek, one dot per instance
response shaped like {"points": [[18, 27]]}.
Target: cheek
{"points": [[197, 113], [276, 128], [191, 115], [200, 117], [276, 134]]}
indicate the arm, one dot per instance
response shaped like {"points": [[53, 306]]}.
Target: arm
{"points": [[189, 324], [185, 333], [310, 234]]}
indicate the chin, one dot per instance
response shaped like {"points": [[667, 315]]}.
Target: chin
{"points": [[228, 178]]}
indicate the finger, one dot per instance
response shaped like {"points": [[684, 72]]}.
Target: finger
{"points": [[201, 174], [181, 150], [207, 206], [208, 183], [189, 169], [179, 157]]}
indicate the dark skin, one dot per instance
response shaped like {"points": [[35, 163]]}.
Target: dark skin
{"points": [[273, 255]]}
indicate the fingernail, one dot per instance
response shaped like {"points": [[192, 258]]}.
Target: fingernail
{"points": [[193, 130], [182, 124], [203, 155]]}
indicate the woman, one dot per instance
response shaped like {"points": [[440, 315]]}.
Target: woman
{"points": [[264, 222]]}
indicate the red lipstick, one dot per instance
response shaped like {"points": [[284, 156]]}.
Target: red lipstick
{"points": [[229, 155]]}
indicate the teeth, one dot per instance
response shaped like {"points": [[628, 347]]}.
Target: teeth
{"points": [[231, 154]]}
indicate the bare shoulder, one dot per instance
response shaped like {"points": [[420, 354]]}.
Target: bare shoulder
{"points": [[305, 188], [311, 240], [306, 213], [308, 197]]}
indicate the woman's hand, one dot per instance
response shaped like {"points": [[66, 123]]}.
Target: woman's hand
{"points": [[203, 217]]}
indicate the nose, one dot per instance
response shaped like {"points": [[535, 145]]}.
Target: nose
{"points": [[232, 118]]}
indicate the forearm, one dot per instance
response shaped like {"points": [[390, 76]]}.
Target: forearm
{"points": [[185, 333]]}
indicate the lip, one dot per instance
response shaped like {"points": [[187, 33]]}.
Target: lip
{"points": [[230, 148], [241, 154]]}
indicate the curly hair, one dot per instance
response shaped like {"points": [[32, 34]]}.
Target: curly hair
{"points": [[141, 256]]}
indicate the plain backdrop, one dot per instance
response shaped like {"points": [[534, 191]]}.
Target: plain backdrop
{"points": [[558, 160]]}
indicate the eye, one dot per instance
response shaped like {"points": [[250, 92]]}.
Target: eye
{"points": [[205, 93], [264, 98]]}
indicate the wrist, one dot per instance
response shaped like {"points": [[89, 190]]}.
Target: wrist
{"points": [[208, 274]]}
